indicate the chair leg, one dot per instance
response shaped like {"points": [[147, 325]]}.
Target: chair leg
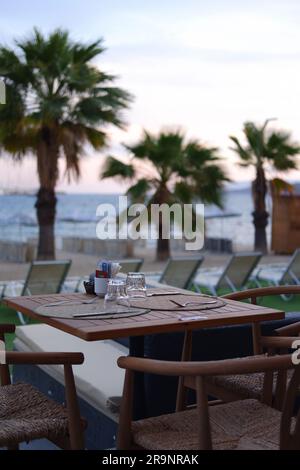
{"points": [[286, 297], [213, 290], [256, 282], [197, 287], [21, 318], [256, 338], [75, 426]]}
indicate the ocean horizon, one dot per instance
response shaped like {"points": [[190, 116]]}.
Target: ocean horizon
{"points": [[76, 216]]}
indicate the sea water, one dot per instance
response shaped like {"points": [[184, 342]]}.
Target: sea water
{"points": [[76, 216]]}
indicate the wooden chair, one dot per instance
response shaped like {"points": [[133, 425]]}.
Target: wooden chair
{"points": [[244, 424], [26, 414], [230, 388]]}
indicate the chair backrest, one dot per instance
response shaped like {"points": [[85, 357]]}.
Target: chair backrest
{"points": [[130, 265], [254, 294], [290, 429], [46, 277], [238, 270], [180, 271], [292, 273]]}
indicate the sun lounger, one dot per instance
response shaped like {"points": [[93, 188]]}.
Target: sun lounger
{"points": [[2, 290], [43, 277], [130, 265], [179, 272], [282, 274], [278, 275], [234, 276]]}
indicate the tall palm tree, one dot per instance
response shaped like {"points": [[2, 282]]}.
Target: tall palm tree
{"points": [[57, 101], [165, 169], [264, 147]]}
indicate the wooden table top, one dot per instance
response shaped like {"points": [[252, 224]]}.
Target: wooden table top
{"points": [[232, 313]]}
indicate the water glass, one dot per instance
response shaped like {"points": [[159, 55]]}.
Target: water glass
{"points": [[136, 286], [116, 295]]}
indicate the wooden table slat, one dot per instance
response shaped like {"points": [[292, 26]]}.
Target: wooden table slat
{"points": [[153, 322]]}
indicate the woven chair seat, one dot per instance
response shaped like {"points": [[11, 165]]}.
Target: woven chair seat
{"points": [[245, 424], [246, 385], [27, 414]]}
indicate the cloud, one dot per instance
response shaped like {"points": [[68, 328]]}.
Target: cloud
{"points": [[204, 66]]}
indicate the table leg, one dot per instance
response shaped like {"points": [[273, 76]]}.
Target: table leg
{"points": [[136, 349], [256, 336]]}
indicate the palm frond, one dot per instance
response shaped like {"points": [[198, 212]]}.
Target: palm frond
{"points": [[281, 150], [139, 191], [57, 99], [243, 152], [274, 146], [116, 168], [184, 192], [209, 183], [85, 53]]}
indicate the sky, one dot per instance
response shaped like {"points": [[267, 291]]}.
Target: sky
{"points": [[205, 66]]}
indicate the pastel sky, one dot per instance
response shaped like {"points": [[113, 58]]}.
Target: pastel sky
{"points": [[203, 65]]}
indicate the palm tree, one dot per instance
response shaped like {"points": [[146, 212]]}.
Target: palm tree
{"points": [[165, 169], [57, 101], [264, 147]]}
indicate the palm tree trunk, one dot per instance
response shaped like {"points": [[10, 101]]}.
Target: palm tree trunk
{"points": [[47, 165], [260, 215], [163, 245], [46, 210]]}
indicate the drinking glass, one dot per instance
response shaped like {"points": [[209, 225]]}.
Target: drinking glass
{"points": [[116, 295], [136, 286]]}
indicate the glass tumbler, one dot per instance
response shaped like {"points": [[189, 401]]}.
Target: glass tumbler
{"points": [[136, 286], [116, 295]]}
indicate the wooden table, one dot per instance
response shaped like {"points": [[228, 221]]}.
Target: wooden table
{"points": [[233, 313]]}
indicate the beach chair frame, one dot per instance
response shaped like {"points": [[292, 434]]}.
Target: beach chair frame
{"points": [[224, 276], [288, 271], [198, 260], [134, 264], [35, 265], [2, 290]]}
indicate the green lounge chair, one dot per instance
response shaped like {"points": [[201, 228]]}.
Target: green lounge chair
{"points": [[2, 290], [234, 276], [130, 265], [179, 271], [43, 277], [281, 275]]}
